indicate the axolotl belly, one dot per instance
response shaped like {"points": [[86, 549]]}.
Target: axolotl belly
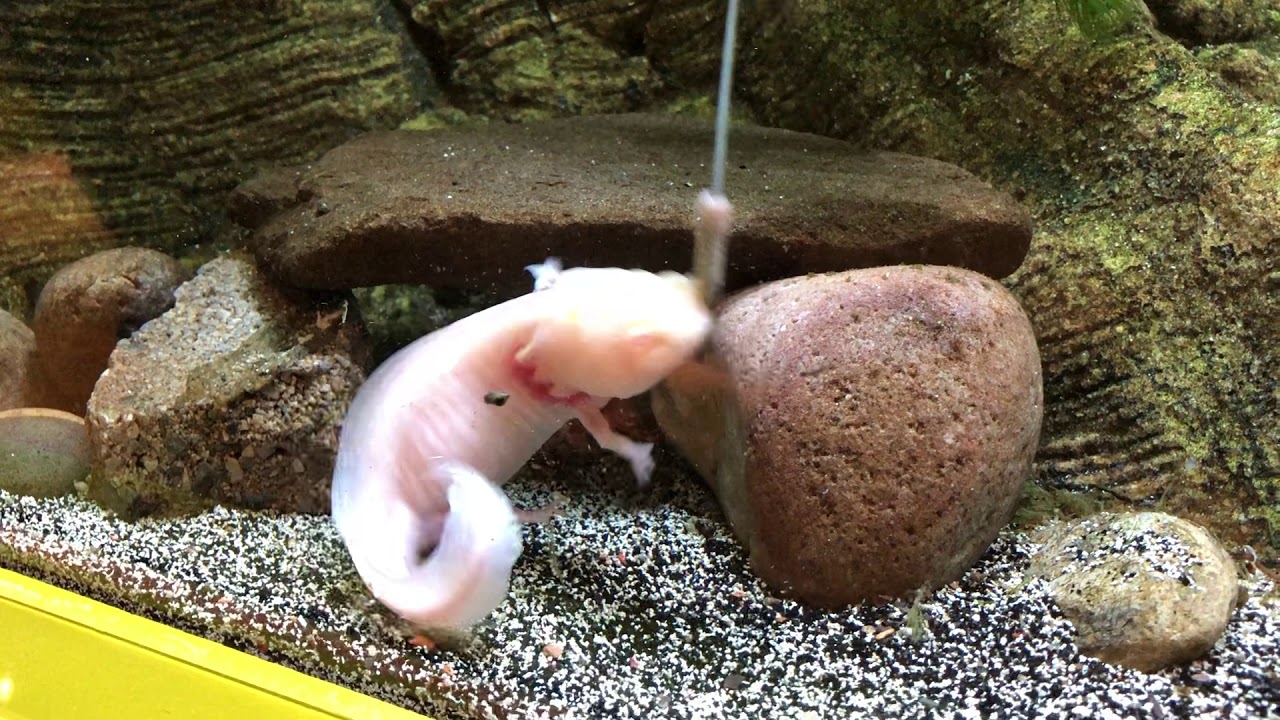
{"points": [[440, 425]]}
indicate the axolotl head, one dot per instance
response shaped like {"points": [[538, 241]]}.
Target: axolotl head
{"points": [[616, 333]]}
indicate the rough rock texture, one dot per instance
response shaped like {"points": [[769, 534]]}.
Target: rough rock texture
{"points": [[152, 110], [884, 424], [523, 61], [233, 396], [1154, 176], [1251, 72], [1144, 590], [90, 304], [20, 384], [469, 206], [1203, 22]]}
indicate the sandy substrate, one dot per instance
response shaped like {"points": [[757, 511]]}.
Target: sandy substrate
{"points": [[632, 607]]}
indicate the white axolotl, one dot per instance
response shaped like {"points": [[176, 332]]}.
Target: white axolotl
{"points": [[441, 424]]}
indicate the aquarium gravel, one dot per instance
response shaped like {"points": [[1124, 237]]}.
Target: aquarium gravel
{"points": [[634, 605]]}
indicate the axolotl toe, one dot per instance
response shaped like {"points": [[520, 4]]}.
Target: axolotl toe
{"points": [[444, 422]]}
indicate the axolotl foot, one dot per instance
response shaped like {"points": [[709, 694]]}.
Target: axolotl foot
{"points": [[642, 463], [638, 454]]}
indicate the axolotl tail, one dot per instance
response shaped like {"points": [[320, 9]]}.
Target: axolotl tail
{"points": [[445, 572]]}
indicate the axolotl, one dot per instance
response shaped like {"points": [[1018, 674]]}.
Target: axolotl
{"points": [[438, 427]]}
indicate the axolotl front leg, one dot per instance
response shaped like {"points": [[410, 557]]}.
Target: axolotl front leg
{"points": [[638, 454]]}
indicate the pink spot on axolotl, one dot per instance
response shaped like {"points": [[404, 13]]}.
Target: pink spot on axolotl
{"points": [[524, 373]]}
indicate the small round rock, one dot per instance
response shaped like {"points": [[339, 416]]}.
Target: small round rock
{"points": [[43, 452], [1143, 590], [87, 306], [17, 363]]}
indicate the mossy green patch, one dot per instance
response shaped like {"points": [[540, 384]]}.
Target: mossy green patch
{"points": [[1101, 19], [520, 62], [396, 315]]}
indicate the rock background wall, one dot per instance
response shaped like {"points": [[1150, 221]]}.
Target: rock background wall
{"points": [[127, 122]]}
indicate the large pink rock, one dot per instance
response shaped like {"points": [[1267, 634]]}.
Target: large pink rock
{"points": [[867, 432]]}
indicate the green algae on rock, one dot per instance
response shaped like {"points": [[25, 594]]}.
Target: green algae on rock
{"points": [[526, 61], [396, 315], [1213, 22], [1144, 590]]}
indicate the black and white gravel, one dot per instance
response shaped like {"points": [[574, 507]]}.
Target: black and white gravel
{"points": [[626, 607]]}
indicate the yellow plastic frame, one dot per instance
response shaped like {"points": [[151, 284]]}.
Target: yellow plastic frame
{"points": [[66, 657]]}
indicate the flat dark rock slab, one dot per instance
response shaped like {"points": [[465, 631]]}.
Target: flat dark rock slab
{"points": [[469, 207]]}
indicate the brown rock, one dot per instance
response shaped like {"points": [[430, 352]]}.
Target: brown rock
{"points": [[470, 206], [233, 396], [1155, 287], [885, 420], [19, 383], [87, 306], [1143, 590]]}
